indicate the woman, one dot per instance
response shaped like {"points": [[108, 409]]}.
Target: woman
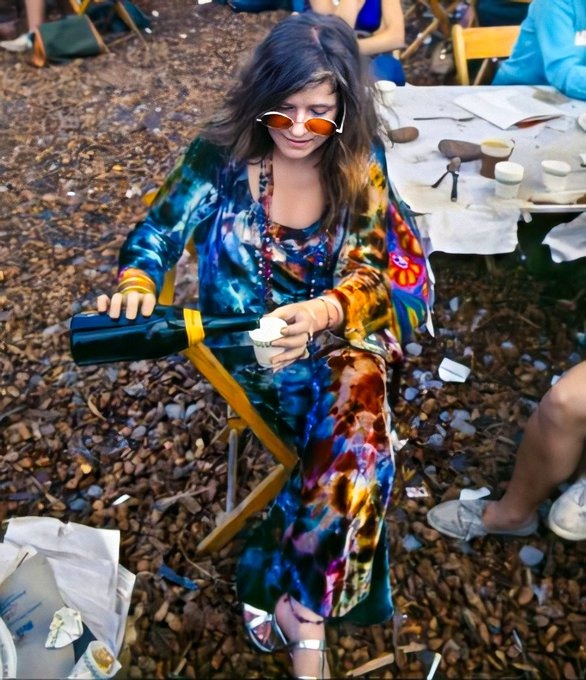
{"points": [[380, 27], [287, 201]]}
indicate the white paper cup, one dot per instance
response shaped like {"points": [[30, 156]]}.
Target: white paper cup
{"points": [[508, 177], [270, 329], [554, 174], [386, 90]]}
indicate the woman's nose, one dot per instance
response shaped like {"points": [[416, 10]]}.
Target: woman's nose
{"points": [[298, 128]]}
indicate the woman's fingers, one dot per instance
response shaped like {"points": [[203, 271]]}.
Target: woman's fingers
{"points": [[148, 304], [102, 303], [130, 302]]}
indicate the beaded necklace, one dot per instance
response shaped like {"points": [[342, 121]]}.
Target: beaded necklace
{"points": [[319, 257]]}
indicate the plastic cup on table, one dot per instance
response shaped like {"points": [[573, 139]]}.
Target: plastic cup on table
{"points": [[554, 174], [508, 177]]}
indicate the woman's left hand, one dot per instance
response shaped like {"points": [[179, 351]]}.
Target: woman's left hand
{"points": [[302, 323]]}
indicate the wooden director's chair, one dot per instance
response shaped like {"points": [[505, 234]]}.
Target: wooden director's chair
{"points": [[241, 415], [81, 7], [481, 42]]}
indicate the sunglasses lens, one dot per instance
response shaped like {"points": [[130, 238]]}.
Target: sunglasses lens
{"points": [[277, 120], [320, 126]]}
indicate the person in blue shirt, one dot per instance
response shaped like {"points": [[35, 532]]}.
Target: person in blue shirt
{"points": [[380, 28], [551, 48]]}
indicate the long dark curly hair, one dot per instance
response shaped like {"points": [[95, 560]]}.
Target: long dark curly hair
{"points": [[305, 50]]}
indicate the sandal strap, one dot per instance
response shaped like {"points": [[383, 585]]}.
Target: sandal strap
{"points": [[315, 645]]}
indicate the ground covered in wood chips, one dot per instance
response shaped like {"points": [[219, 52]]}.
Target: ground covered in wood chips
{"points": [[80, 144]]}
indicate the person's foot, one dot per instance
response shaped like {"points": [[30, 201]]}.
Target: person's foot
{"points": [[259, 627], [567, 516], [23, 43], [303, 632], [464, 520]]}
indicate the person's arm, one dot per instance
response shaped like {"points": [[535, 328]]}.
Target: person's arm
{"points": [[391, 34], [182, 205], [556, 25], [381, 276]]}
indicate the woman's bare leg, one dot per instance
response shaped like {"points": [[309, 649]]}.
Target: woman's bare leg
{"points": [[300, 623], [35, 13], [550, 452]]}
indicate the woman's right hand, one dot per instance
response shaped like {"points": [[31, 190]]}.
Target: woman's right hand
{"points": [[131, 302]]}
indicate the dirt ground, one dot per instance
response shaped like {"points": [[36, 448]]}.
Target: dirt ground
{"points": [[80, 145]]}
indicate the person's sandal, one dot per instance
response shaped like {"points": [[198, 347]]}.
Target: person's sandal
{"points": [[254, 621], [317, 646], [309, 645]]}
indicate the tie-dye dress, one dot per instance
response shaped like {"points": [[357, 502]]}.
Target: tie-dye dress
{"points": [[323, 540]]}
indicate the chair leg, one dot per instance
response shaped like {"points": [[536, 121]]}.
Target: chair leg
{"points": [[254, 502], [232, 470], [127, 19]]}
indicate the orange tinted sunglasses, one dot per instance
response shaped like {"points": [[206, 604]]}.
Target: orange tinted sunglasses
{"points": [[319, 126]]}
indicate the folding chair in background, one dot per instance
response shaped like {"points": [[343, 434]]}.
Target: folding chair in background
{"points": [[81, 7], [488, 43]]}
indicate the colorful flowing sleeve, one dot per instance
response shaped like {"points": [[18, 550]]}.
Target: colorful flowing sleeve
{"points": [[381, 277], [183, 206]]}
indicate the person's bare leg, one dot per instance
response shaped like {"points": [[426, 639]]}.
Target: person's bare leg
{"points": [[300, 623], [550, 452], [35, 13]]}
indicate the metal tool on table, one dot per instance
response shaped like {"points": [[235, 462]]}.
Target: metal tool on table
{"points": [[452, 168], [458, 119]]}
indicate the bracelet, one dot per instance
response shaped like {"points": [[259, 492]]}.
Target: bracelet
{"points": [[331, 319], [134, 280]]}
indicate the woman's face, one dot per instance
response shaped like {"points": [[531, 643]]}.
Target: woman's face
{"points": [[315, 101]]}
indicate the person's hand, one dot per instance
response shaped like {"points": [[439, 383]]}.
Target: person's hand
{"points": [[301, 325], [131, 302]]}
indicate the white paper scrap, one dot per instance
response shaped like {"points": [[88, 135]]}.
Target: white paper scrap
{"points": [[65, 627], [474, 494], [452, 371]]}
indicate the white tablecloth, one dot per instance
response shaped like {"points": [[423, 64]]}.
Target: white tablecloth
{"points": [[478, 223]]}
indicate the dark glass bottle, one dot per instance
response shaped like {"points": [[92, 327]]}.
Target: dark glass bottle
{"points": [[95, 338]]}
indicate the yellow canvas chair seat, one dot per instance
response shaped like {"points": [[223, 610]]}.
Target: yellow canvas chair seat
{"points": [[241, 415], [81, 7], [481, 42]]}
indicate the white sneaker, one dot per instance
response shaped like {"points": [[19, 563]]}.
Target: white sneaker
{"points": [[23, 43], [567, 516]]}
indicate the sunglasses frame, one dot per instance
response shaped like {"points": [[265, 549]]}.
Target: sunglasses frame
{"points": [[336, 129]]}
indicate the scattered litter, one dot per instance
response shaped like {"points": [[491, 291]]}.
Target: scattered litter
{"points": [[530, 556], [452, 371], [454, 304], [474, 494], [436, 440], [414, 348], [167, 573], [410, 393], [66, 626], [416, 492], [121, 499], [96, 662], [411, 542]]}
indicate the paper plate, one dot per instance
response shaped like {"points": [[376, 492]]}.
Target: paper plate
{"points": [[7, 653]]}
